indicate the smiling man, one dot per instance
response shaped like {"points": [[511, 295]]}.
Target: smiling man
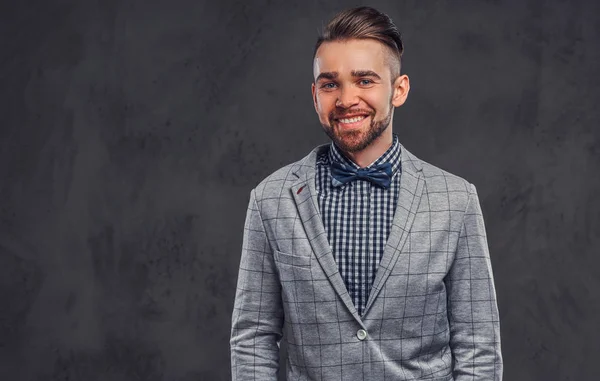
{"points": [[374, 262]]}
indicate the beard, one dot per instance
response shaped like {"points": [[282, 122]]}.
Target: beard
{"points": [[354, 141]]}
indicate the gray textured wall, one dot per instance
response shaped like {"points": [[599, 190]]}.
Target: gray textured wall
{"points": [[133, 131]]}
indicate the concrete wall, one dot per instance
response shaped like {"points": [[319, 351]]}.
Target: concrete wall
{"points": [[133, 131]]}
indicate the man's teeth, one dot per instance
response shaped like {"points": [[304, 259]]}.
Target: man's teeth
{"points": [[352, 120]]}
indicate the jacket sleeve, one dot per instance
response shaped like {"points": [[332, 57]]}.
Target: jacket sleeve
{"points": [[472, 307], [257, 320]]}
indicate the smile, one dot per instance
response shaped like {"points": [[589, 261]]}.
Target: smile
{"points": [[353, 120]]}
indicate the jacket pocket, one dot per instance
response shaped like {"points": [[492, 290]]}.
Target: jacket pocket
{"points": [[292, 260], [293, 267]]}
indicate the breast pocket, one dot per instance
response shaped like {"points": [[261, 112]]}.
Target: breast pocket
{"points": [[293, 267]]}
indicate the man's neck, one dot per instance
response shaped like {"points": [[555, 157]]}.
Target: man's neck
{"points": [[372, 152]]}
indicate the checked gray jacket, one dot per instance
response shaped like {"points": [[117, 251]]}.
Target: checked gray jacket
{"points": [[431, 314]]}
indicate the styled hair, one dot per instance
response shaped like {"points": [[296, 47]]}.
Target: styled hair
{"points": [[365, 23]]}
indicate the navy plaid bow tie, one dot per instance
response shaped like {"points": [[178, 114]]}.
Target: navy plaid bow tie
{"points": [[380, 174]]}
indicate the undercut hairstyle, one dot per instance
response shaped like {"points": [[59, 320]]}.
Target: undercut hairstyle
{"points": [[365, 23]]}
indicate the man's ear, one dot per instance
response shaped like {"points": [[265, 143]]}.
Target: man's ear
{"points": [[314, 95], [401, 88]]}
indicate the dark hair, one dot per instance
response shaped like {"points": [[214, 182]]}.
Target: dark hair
{"points": [[363, 23]]}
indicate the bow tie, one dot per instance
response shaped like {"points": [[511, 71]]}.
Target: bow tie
{"points": [[380, 174]]}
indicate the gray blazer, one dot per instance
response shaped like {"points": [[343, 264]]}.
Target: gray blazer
{"points": [[431, 314]]}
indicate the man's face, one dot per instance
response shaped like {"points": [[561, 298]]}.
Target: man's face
{"points": [[353, 91]]}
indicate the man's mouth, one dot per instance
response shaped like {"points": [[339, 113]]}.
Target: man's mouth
{"points": [[351, 121]]}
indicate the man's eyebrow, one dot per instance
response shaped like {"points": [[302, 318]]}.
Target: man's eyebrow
{"points": [[327, 75], [355, 73], [365, 73]]}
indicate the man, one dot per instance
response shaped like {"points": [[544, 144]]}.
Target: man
{"points": [[374, 262]]}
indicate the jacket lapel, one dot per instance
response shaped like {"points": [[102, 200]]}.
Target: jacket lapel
{"points": [[305, 196], [411, 189]]}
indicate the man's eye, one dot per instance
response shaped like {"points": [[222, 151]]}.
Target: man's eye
{"points": [[328, 85], [365, 81]]}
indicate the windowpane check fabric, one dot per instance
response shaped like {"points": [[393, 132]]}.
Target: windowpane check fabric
{"points": [[357, 217], [431, 313]]}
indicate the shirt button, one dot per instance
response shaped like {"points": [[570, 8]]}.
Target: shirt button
{"points": [[361, 334]]}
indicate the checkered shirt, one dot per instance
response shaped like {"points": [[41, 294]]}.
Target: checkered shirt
{"points": [[357, 217]]}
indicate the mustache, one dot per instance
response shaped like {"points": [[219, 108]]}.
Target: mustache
{"points": [[338, 115]]}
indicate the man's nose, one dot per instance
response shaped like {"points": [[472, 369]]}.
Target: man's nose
{"points": [[348, 98]]}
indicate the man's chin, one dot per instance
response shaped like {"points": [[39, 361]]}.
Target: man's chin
{"points": [[350, 141]]}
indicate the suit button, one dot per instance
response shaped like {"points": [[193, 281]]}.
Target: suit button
{"points": [[361, 334]]}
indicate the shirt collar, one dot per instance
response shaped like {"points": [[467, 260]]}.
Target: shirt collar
{"points": [[392, 156]]}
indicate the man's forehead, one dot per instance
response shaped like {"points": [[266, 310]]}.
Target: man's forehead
{"points": [[345, 57]]}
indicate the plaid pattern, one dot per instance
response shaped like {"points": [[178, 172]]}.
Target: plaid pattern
{"points": [[431, 313], [358, 218]]}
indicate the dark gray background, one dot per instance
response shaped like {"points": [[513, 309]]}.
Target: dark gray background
{"points": [[133, 131]]}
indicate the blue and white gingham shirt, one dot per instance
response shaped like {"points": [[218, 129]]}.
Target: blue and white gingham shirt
{"points": [[357, 217]]}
